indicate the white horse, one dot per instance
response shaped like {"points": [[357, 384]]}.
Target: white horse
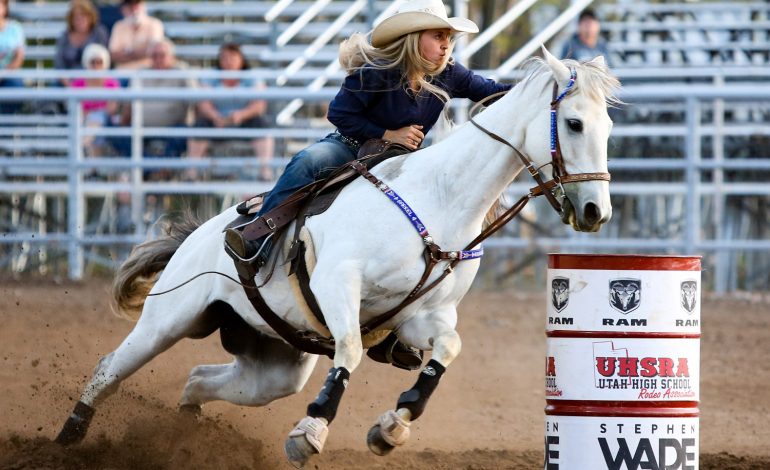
{"points": [[367, 259]]}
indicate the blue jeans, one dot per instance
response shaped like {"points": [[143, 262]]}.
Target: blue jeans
{"points": [[310, 164], [11, 107]]}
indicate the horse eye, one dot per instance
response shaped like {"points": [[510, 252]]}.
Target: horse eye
{"points": [[575, 125]]}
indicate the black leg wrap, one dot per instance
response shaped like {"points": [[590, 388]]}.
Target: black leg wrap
{"points": [[328, 399], [416, 398], [75, 427]]}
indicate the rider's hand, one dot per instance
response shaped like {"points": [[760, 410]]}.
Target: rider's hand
{"points": [[410, 136]]}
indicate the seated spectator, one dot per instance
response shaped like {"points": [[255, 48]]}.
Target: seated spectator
{"points": [[83, 28], [131, 37], [11, 54], [109, 13], [586, 44], [96, 113], [160, 113], [234, 113]]}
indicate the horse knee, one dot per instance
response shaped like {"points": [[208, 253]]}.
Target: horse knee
{"points": [[348, 351], [447, 347]]}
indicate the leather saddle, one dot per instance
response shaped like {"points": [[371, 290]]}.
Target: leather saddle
{"points": [[312, 199]]}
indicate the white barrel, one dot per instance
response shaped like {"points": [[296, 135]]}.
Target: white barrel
{"points": [[622, 364]]}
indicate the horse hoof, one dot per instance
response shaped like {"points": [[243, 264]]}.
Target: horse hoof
{"points": [[298, 451], [192, 412], [306, 439], [76, 426], [377, 443]]}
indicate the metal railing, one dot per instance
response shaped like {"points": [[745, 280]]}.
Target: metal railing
{"points": [[64, 177]]}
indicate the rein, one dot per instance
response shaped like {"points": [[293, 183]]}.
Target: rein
{"points": [[559, 170], [433, 254], [311, 342]]}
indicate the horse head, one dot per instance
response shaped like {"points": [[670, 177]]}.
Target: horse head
{"points": [[578, 130]]}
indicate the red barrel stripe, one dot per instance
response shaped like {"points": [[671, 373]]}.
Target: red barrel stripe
{"points": [[624, 262], [665, 409]]}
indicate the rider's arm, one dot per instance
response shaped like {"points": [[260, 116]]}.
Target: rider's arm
{"points": [[361, 90], [463, 83]]}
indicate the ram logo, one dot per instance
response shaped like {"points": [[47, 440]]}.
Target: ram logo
{"points": [[625, 294], [689, 295], [560, 293]]}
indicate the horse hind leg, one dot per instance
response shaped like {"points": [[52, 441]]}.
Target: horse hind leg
{"points": [[264, 369], [152, 335]]}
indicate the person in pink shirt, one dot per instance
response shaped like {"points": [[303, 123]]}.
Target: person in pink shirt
{"points": [[96, 113]]}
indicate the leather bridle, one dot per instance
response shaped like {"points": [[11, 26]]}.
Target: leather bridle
{"points": [[312, 342], [559, 174]]}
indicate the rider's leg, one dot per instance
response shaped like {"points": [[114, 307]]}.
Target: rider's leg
{"points": [[308, 165]]}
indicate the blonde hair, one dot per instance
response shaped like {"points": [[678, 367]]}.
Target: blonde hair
{"points": [[403, 54]]}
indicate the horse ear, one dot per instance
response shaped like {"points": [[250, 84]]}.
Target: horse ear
{"points": [[599, 62], [560, 71]]}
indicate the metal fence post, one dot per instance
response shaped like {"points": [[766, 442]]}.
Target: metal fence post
{"points": [[692, 176], [721, 260], [75, 201], [137, 152]]}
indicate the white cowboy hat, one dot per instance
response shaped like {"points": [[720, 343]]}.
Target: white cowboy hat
{"points": [[418, 15]]}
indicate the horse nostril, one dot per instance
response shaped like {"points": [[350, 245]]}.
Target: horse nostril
{"points": [[591, 213]]}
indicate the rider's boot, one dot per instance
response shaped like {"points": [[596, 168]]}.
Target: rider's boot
{"points": [[248, 255], [392, 351]]}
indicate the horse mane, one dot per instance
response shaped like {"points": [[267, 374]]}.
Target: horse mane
{"points": [[594, 79]]}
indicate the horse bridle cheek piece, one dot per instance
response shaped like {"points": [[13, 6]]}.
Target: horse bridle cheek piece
{"points": [[559, 170]]}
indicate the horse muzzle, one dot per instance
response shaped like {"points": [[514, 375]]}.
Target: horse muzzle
{"points": [[587, 217]]}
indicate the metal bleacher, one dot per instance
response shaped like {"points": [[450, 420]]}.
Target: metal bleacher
{"points": [[693, 34], [198, 28], [689, 152]]}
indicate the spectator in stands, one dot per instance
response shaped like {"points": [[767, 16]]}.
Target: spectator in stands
{"points": [[162, 113], [234, 113], [96, 113], [132, 36], [83, 28], [12, 44], [587, 42], [396, 89]]}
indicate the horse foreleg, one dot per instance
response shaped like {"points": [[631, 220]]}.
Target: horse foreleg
{"points": [[392, 427], [339, 298]]}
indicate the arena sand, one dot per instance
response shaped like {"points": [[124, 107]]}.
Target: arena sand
{"points": [[486, 414]]}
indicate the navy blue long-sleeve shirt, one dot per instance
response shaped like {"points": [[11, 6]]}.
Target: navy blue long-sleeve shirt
{"points": [[372, 100]]}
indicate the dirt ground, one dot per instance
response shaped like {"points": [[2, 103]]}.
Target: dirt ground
{"points": [[486, 414]]}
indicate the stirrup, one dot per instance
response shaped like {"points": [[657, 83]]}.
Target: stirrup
{"points": [[235, 247], [392, 351]]}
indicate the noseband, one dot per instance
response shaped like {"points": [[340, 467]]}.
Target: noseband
{"points": [[559, 174]]}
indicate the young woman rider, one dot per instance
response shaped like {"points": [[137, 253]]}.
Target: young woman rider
{"points": [[396, 89]]}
